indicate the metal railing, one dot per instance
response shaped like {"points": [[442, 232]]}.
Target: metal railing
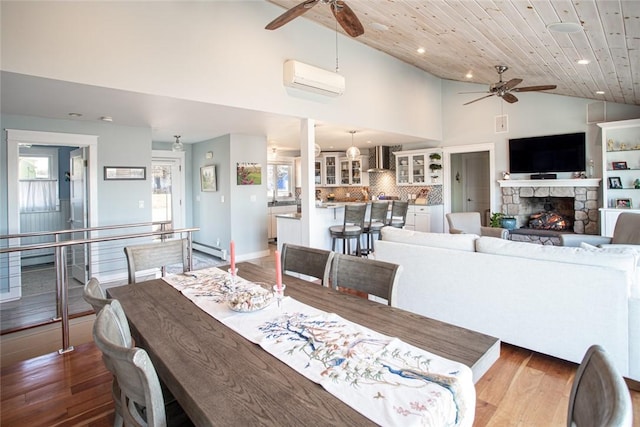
{"points": [[60, 245]]}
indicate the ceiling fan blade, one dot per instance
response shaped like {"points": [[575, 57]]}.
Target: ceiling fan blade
{"points": [[534, 88], [512, 83], [510, 98], [291, 14], [347, 19], [480, 91], [471, 102]]}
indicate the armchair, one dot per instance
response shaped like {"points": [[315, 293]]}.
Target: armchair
{"points": [[469, 223], [626, 232]]}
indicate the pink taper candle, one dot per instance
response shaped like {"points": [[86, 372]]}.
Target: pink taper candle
{"points": [[233, 257], [278, 271]]}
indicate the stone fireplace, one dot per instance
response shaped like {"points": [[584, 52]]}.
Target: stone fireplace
{"points": [[577, 199]]}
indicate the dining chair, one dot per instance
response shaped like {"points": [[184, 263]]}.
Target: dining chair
{"points": [[377, 220], [398, 214], [351, 228], [95, 295], [599, 395], [370, 276], [139, 396], [307, 261], [156, 255]]}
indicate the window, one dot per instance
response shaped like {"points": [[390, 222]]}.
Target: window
{"points": [[280, 180], [38, 179]]}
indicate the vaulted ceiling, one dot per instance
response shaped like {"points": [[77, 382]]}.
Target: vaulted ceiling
{"points": [[462, 37]]}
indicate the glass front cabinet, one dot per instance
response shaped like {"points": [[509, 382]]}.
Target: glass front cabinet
{"points": [[418, 167], [331, 169]]}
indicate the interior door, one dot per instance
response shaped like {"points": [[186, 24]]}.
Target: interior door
{"points": [[78, 214], [476, 183], [167, 188]]}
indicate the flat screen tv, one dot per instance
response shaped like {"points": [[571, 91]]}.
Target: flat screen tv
{"points": [[551, 153]]}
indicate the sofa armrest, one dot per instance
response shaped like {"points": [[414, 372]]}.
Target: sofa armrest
{"points": [[576, 239], [501, 233]]}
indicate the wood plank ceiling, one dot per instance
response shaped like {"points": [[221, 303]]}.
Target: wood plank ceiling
{"points": [[461, 37]]}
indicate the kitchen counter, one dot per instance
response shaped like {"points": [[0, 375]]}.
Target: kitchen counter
{"points": [[282, 203]]}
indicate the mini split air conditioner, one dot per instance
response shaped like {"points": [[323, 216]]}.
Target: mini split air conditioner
{"points": [[307, 77]]}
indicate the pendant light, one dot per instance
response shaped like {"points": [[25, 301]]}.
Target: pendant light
{"points": [[353, 152], [177, 146], [317, 150]]}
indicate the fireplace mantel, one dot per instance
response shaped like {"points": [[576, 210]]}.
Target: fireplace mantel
{"points": [[589, 182]]}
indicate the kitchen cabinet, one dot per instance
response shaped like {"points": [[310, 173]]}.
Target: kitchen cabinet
{"points": [[418, 167], [317, 171], [620, 171], [272, 225], [418, 218], [340, 171]]}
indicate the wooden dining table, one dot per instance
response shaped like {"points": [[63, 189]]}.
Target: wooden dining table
{"points": [[221, 378]]}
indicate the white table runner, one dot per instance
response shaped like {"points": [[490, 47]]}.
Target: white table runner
{"points": [[385, 379]]}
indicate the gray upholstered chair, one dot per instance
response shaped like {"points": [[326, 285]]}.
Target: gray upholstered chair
{"points": [[398, 216], [156, 255], [95, 295], [599, 395], [626, 232], [307, 261], [352, 228], [470, 223], [370, 276], [377, 220]]}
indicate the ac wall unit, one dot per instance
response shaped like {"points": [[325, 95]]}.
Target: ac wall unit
{"points": [[307, 77]]}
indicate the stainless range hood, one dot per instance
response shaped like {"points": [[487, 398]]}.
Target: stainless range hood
{"points": [[380, 159]]}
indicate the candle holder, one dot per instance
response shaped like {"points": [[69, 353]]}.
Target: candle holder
{"points": [[232, 275], [279, 292]]}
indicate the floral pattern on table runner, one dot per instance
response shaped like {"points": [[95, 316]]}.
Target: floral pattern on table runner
{"points": [[385, 379]]}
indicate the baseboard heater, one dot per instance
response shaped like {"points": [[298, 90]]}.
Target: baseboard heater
{"points": [[211, 250]]}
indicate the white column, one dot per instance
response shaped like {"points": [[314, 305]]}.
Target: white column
{"points": [[307, 144]]}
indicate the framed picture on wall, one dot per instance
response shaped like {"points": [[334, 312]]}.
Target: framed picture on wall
{"points": [[249, 173], [208, 178], [124, 173]]}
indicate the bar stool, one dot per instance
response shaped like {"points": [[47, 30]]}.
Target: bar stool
{"points": [[398, 214], [351, 228], [377, 220]]}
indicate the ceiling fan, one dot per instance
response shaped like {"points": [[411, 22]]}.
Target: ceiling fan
{"points": [[343, 14], [503, 89]]}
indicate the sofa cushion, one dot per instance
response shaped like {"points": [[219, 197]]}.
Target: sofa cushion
{"points": [[573, 255], [620, 249], [461, 242]]}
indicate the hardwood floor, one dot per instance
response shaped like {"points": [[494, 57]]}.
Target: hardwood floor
{"points": [[523, 388]]}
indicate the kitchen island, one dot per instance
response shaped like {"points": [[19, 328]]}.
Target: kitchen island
{"points": [[290, 230]]}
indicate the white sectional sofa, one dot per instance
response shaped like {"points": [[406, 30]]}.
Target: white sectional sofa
{"points": [[550, 299]]}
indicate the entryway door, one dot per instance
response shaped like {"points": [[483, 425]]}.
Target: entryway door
{"points": [[168, 187]]}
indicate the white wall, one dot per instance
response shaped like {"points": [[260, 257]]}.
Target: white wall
{"points": [[216, 52], [534, 114]]}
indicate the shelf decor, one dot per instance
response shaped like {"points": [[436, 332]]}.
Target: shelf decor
{"points": [[619, 165]]}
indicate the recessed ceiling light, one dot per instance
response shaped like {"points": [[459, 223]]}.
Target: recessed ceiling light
{"points": [[75, 115], [106, 118], [420, 50], [379, 26], [599, 92], [565, 27], [583, 61], [469, 75]]}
